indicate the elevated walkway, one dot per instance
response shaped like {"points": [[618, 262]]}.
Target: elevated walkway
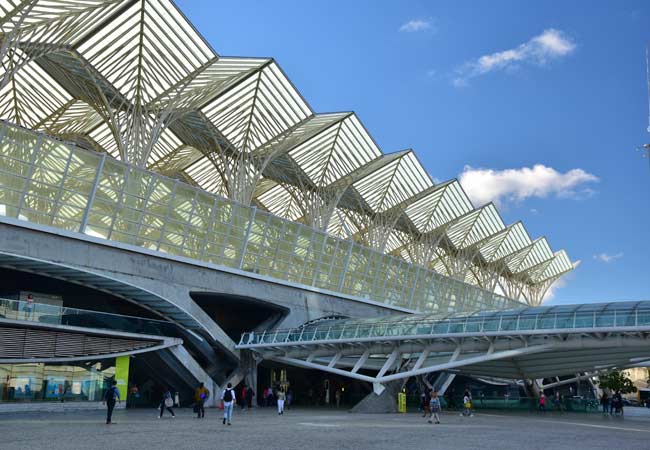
{"points": [[524, 343]]}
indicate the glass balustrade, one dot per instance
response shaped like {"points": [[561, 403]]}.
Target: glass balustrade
{"points": [[59, 315]]}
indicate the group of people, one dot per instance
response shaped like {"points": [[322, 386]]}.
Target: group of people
{"points": [[246, 398], [557, 403], [432, 406], [277, 397], [612, 406], [201, 395]]}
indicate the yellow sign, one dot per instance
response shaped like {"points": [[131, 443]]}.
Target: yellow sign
{"points": [[122, 374], [401, 402]]}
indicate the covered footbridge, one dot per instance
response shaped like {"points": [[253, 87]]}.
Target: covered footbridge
{"points": [[524, 343]]}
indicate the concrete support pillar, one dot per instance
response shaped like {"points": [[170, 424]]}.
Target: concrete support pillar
{"points": [[532, 388], [386, 402], [249, 365], [443, 382]]}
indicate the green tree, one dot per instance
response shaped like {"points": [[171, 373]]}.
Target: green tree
{"points": [[617, 381]]}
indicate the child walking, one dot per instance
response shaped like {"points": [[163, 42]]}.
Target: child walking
{"points": [[434, 406]]}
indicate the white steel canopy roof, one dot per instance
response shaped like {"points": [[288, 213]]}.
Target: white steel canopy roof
{"points": [[134, 79]]}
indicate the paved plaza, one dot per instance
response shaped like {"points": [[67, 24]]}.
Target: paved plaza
{"points": [[320, 429]]}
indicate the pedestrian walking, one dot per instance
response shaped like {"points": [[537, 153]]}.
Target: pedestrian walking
{"points": [[265, 397], [337, 397], [281, 397], [249, 397], [112, 395], [290, 399], [201, 394], [542, 403], [557, 402], [604, 401], [617, 403], [228, 398], [270, 397], [423, 401], [242, 397], [167, 402], [425, 405], [434, 407], [467, 404]]}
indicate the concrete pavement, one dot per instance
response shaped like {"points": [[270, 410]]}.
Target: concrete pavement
{"points": [[320, 429]]}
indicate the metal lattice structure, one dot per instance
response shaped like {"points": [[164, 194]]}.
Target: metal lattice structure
{"points": [[134, 80]]}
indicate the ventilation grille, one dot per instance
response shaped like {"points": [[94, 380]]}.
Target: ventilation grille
{"points": [[30, 343]]}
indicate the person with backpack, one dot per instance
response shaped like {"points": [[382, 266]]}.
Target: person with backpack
{"points": [[112, 394], [228, 399], [201, 395], [166, 403]]}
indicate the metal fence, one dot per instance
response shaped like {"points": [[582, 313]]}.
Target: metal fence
{"points": [[48, 182]]}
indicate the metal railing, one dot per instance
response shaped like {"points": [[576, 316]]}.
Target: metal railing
{"points": [[60, 315], [45, 181], [351, 329]]}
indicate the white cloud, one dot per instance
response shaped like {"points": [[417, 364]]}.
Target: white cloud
{"points": [[432, 72], [499, 186], [416, 25], [608, 257], [551, 44], [534, 211]]}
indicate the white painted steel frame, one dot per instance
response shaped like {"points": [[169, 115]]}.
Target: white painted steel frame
{"points": [[135, 79]]}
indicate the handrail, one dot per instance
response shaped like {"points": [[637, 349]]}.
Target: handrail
{"points": [[458, 325]]}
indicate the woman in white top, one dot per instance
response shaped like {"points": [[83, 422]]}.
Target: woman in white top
{"points": [[281, 396]]}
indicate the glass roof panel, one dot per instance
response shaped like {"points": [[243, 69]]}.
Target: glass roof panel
{"points": [[257, 109], [475, 226], [393, 183], [336, 151], [539, 253], [75, 117], [513, 239], [205, 174], [443, 205], [559, 265], [31, 96], [56, 21], [146, 49], [280, 202]]}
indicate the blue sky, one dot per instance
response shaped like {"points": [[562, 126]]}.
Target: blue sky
{"points": [[489, 91]]}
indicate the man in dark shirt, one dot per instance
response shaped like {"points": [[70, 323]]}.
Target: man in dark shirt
{"points": [[112, 395]]}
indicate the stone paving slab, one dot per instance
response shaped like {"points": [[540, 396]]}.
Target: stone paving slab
{"points": [[320, 429]]}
